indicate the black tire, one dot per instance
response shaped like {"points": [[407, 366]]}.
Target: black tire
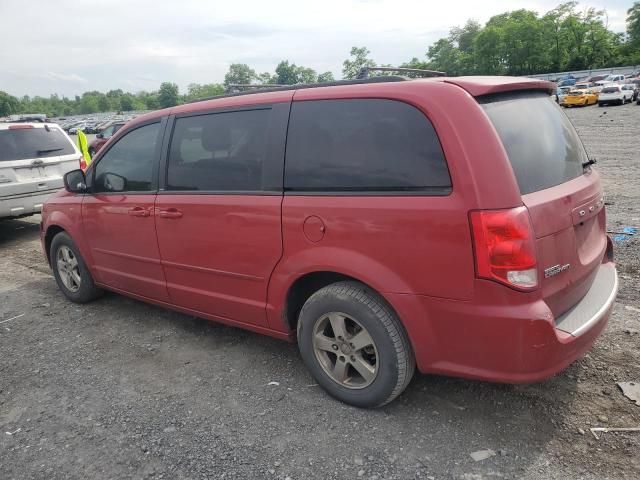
{"points": [[87, 290], [395, 362]]}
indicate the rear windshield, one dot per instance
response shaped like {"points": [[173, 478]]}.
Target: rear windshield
{"points": [[542, 145], [28, 143], [610, 90]]}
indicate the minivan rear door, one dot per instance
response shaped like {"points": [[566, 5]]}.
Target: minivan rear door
{"points": [[218, 212], [34, 158], [562, 193]]}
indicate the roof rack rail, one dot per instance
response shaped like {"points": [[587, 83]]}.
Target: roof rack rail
{"points": [[364, 71], [265, 88]]}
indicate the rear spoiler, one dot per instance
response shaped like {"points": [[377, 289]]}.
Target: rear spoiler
{"points": [[479, 86]]}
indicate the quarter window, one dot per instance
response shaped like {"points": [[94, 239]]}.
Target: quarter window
{"points": [[219, 152], [128, 166], [363, 145]]}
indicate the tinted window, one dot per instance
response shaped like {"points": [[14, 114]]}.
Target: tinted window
{"points": [[129, 164], [610, 90], [542, 145], [362, 145], [27, 143], [219, 152]]}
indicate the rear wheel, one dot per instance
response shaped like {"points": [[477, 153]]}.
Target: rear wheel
{"points": [[354, 345], [70, 271]]}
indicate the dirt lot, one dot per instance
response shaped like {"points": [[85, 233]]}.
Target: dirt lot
{"points": [[120, 389]]}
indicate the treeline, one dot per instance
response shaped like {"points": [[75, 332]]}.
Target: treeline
{"points": [[519, 42], [522, 42]]}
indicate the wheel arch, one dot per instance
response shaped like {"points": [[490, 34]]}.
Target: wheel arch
{"points": [[52, 231]]}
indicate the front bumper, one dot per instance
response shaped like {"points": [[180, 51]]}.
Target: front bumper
{"points": [[498, 339]]}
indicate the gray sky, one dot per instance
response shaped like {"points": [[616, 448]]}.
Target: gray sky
{"points": [[71, 46]]}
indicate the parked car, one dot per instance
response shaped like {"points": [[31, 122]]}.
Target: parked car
{"points": [[611, 79], [101, 138], [74, 130], [561, 93], [614, 94], [33, 159], [631, 89], [580, 98], [361, 219]]}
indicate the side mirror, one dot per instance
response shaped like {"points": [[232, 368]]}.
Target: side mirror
{"points": [[100, 135], [75, 181]]}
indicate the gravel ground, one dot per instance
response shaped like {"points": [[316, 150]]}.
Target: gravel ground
{"points": [[120, 389]]}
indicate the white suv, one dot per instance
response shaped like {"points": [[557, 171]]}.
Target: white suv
{"points": [[33, 159], [614, 94]]}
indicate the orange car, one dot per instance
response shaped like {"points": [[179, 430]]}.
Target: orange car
{"points": [[580, 98]]}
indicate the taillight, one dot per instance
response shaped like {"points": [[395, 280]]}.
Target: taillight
{"points": [[504, 247], [83, 163]]}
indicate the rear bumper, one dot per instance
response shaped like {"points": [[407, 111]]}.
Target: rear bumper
{"points": [[494, 339], [24, 204]]}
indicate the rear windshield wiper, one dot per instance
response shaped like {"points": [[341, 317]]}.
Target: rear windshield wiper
{"points": [[588, 163], [47, 150]]}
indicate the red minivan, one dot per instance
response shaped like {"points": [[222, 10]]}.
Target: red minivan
{"points": [[453, 224]]}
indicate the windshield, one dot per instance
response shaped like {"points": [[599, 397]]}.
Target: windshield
{"points": [[542, 145], [28, 143]]}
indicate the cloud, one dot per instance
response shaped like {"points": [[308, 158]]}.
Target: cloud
{"points": [[66, 77], [82, 45]]}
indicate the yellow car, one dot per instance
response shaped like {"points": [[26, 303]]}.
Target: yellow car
{"points": [[579, 98]]}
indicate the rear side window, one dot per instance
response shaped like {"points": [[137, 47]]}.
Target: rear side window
{"points": [[366, 145], [542, 145], [33, 143], [219, 152]]}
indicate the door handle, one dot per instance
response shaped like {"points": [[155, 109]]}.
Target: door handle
{"points": [[170, 213], [138, 212]]}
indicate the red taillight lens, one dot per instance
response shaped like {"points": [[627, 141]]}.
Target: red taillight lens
{"points": [[83, 164], [504, 247]]}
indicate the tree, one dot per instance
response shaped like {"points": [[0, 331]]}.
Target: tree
{"points": [[444, 56], [8, 104], [239, 74], [196, 91], [325, 77], [633, 25], [359, 59], [168, 95]]}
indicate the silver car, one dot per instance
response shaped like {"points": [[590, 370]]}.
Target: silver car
{"points": [[33, 159]]}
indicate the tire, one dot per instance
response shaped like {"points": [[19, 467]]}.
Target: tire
{"points": [[355, 309], [86, 290], [600, 104]]}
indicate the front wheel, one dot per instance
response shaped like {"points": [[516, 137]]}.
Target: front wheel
{"points": [[354, 345], [70, 271]]}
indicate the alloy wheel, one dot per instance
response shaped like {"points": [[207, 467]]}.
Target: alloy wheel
{"points": [[345, 350], [68, 269]]}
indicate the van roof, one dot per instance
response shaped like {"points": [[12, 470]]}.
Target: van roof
{"points": [[474, 85]]}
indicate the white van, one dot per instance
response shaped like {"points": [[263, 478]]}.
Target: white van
{"points": [[33, 159]]}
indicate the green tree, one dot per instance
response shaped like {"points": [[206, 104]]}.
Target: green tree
{"points": [[325, 77], [444, 56], [8, 104], [196, 91], [633, 25], [359, 58], [239, 74], [168, 95]]}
